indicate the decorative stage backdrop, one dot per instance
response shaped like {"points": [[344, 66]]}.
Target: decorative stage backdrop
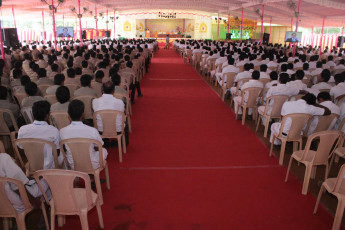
{"points": [[164, 26]]}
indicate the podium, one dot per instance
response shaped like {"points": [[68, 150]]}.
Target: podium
{"points": [[147, 34]]}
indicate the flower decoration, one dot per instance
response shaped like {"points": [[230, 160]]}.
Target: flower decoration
{"points": [[74, 10]]}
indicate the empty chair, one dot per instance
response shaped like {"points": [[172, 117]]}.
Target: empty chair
{"points": [[336, 187], [59, 119], [67, 199], [272, 111], [79, 149], [298, 121], [109, 118], [6, 208], [313, 158]]}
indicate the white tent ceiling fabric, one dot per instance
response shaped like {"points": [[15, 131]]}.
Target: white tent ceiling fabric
{"points": [[312, 12]]}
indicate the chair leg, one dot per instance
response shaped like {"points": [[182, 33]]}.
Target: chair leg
{"points": [[282, 152], [326, 171], [322, 190], [60, 221], [98, 186], [100, 216], [123, 138], [44, 214], [83, 220], [267, 123], [20, 219], [257, 124], [6, 223], [120, 148], [52, 218], [313, 172], [129, 124], [106, 172], [306, 180], [288, 169], [244, 114], [338, 214]]}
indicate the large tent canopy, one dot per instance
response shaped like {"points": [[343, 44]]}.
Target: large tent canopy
{"points": [[312, 12]]}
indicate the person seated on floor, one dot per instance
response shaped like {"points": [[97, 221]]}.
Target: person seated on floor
{"points": [[9, 169], [85, 88], [307, 104], [63, 96], [254, 82], [322, 81], [40, 129], [59, 80], [79, 130], [31, 90]]}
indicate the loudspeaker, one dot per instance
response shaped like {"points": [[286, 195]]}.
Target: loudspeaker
{"points": [[266, 39], [228, 36], [10, 37], [107, 33], [83, 34], [340, 42]]}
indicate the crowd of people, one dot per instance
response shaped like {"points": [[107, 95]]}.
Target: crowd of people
{"points": [[38, 72]]}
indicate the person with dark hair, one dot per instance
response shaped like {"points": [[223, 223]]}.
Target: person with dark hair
{"points": [[116, 79], [341, 65], [274, 80], [63, 96], [79, 130], [42, 78], [86, 69], [85, 89], [298, 83], [318, 69], [307, 104], [17, 74], [324, 99], [71, 77], [108, 102], [254, 82], [59, 80], [322, 80], [54, 69], [32, 91], [230, 68], [263, 72], [5, 104], [21, 88], [41, 62], [135, 85], [97, 84], [246, 74], [283, 68], [40, 129], [103, 67], [339, 88]]}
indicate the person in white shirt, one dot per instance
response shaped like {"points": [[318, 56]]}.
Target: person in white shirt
{"points": [[251, 83], [106, 102], [339, 88], [297, 83], [59, 80], [307, 104], [322, 80], [228, 69], [263, 72], [40, 129], [274, 80], [324, 99], [341, 65], [290, 70], [79, 130], [85, 89], [9, 169]]}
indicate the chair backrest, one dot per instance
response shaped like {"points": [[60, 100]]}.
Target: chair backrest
{"points": [[2, 147], [61, 186], [6, 208], [240, 68], [328, 141], [98, 87], [324, 122], [242, 81], [253, 94], [43, 89], [27, 114], [296, 97], [339, 100], [198, 57], [34, 152], [19, 97], [121, 96], [278, 101], [272, 68], [230, 77], [342, 123], [80, 151], [337, 71], [339, 180], [87, 100], [4, 129], [51, 98], [298, 121], [264, 81], [72, 88], [212, 64], [59, 119], [109, 118]]}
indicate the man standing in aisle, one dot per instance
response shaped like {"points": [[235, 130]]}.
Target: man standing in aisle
{"points": [[167, 44]]}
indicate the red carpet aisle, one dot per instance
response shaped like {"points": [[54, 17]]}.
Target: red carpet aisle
{"points": [[190, 165]]}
